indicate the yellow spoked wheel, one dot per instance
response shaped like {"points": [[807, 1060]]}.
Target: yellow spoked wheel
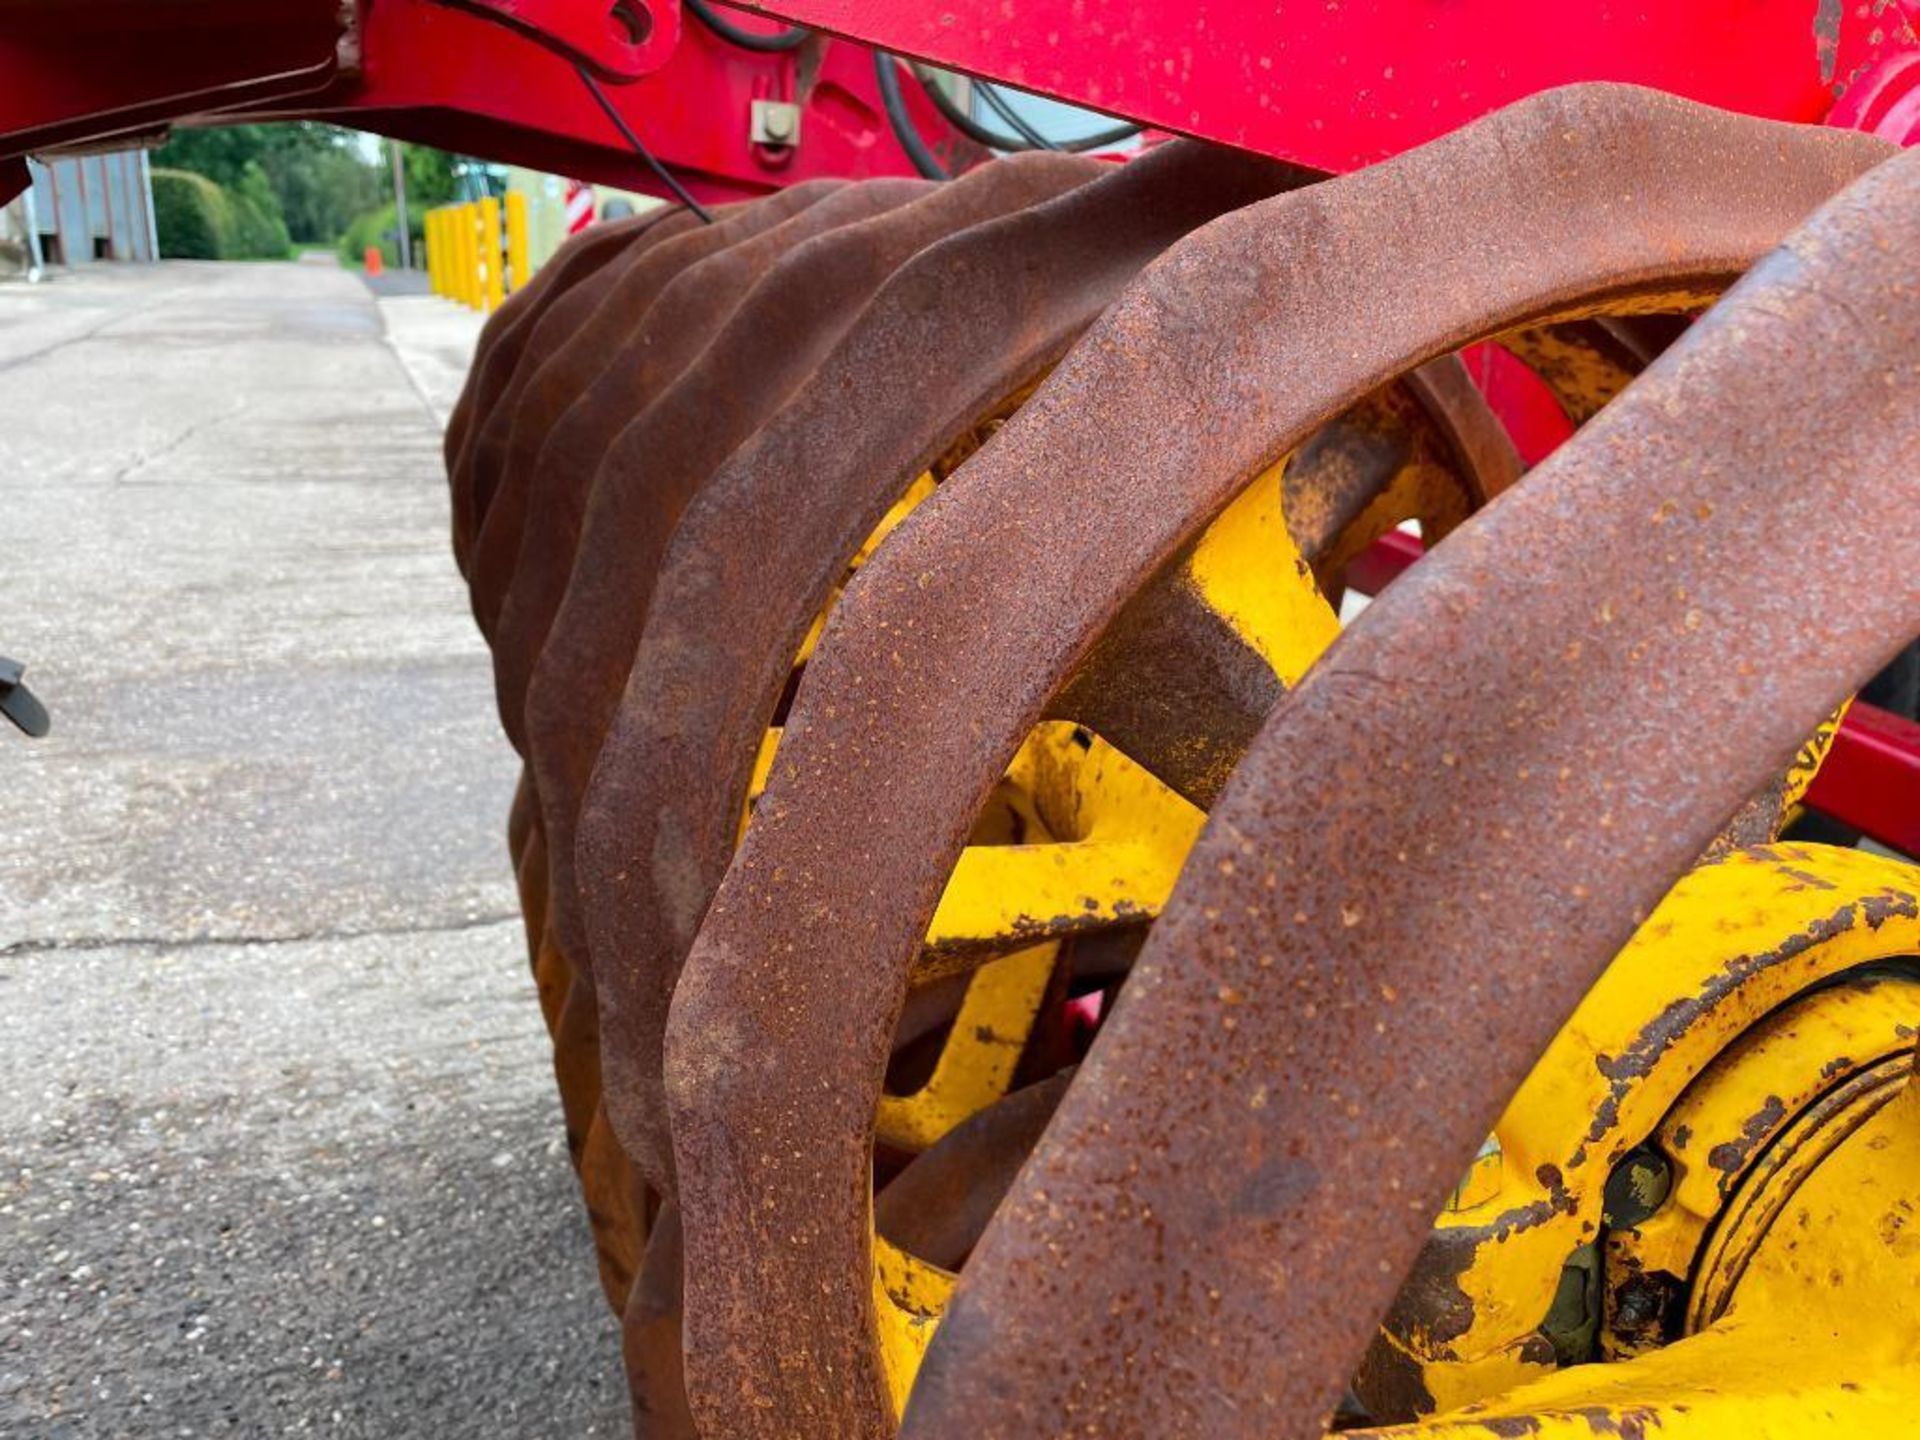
{"points": [[1072, 858], [1081, 843]]}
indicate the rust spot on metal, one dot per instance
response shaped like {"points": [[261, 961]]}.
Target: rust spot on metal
{"points": [[1827, 17], [1665, 1030], [1730, 1156], [1807, 879]]}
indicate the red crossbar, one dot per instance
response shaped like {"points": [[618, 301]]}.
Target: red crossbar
{"points": [[1871, 779]]}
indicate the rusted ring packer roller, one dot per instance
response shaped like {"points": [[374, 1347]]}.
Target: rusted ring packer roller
{"points": [[1019, 966]]}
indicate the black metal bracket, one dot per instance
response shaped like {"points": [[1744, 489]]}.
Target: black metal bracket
{"points": [[19, 704]]}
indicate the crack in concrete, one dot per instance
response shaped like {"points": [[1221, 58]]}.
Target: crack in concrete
{"points": [[92, 332], [199, 427], [76, 944]]}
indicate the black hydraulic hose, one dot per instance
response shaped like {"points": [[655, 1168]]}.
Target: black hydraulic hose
{"points": [[791, 38], [951, 112], [886, 71], [1003, 107], [993, 139]]}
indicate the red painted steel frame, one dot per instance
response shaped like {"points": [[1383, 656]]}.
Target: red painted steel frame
{"points": [[1871, 778], [1340, 85], [75, 71], [454, 79], [71, 70], [1335, 85]]}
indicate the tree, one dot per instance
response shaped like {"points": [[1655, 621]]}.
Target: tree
{"points": [[317, 175], [318, 178], [221, 154], [430, 177], [322, 188]]}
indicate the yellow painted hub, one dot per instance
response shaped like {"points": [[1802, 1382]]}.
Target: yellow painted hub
{"points": [[1720, 1062], [1815, 1334]]}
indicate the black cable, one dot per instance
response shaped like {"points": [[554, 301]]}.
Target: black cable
{"points": [[1002, 107], [667, 177], [885, 69], [961, 120], [791, 38], [995, 140], [1099, 139]]}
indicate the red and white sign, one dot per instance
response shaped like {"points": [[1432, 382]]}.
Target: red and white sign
{"points": [[579, 207]]}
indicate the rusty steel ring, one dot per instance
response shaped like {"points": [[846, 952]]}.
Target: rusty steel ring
{"points": [[807, 286], [553, 389], [670, 343], [1622, 663], [651, 276], [815, 268], [660, 284], [615, 1201], [1593, 198], [504, 340], [703, 347], [774, 340], [832, 280], [477, 471], [576, 624], [956, 334]]}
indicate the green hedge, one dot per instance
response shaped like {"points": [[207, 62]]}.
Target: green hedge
{"points": [[190, 213], [199, 220], [259, 233], [381, 229]]}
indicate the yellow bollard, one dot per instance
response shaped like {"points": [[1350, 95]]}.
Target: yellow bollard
{"points": [[468, 224], [451, 230], [442, 255], [450, 254], [432, 224], [491, 252], [518, 251]]}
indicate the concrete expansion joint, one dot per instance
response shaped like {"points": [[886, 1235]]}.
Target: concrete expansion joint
{"points": [[80, 943]]}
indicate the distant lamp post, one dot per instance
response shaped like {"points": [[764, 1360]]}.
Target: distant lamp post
{"points": [[400, 204]]}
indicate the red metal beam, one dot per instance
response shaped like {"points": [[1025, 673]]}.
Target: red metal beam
{"points": [[98, 72], [1383, 562], [1871, 779], [1334, 85], [1342, 85], [620, 41], [454, 78], [460, 78]]}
